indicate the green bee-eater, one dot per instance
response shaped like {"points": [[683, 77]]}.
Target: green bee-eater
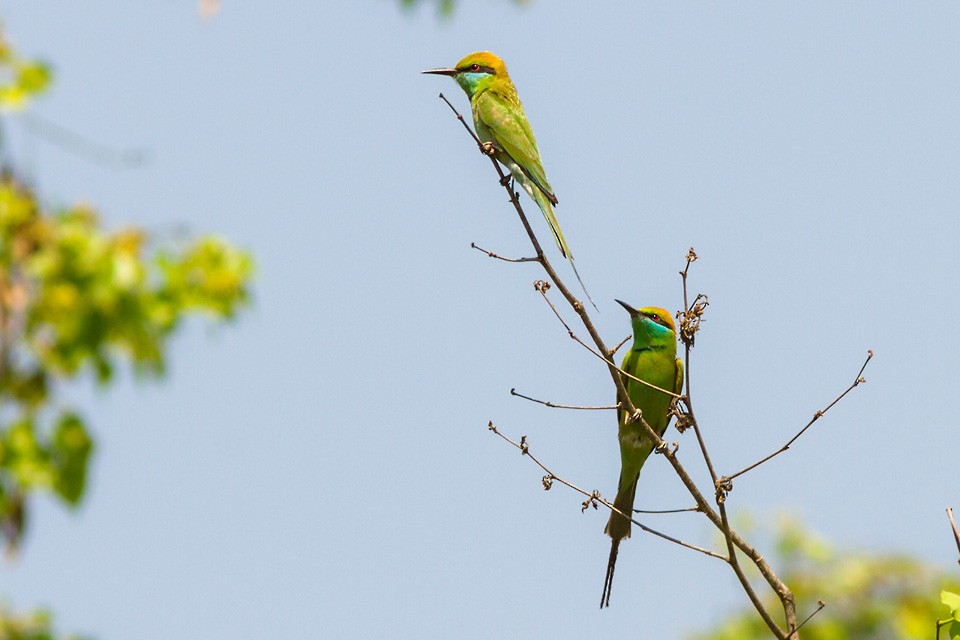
{"points": [[652, 358], [501, 123]]}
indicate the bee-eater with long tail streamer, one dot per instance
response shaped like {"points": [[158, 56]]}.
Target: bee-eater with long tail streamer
{"points": [[652, 358], [503, 126]]}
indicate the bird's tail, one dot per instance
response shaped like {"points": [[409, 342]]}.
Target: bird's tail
{"points": [[546, 207], [618, 528], [608, 581]]}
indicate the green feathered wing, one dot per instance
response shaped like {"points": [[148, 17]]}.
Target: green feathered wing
{"points": [[517, 150], [501, 120]]}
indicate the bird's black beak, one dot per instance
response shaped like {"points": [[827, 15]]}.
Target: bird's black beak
{"points": [[442, 72], [631, 310]]}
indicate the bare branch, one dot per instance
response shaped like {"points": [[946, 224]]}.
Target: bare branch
{"points": [[473, 245], [820, 605], [542, 287], [465, 125], [689, 322], [745, 583], [593, 497], [81, 146], [613, 351], [553, 405], [816, 416], [663, 511], [956, 533]]}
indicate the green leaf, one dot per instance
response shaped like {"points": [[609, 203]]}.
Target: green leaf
{"points": [[20, 79], [952, 600], [34, 77], [954, 630], [71, 450]]}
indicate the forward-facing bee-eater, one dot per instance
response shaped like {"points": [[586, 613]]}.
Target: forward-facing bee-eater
{"points": [[652, 358], [501, 123]]}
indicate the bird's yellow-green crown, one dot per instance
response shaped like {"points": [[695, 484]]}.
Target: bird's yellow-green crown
{"points": [[483, 59]]}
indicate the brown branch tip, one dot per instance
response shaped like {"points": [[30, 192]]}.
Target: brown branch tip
{"points": [[956, 532], [689, 319], [680, 410]]}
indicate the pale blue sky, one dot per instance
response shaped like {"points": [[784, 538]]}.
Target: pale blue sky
{"points": [[322, 468]]}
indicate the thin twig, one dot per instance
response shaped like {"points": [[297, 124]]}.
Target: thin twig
{"points": [[663, 511], [593, 497], [820, 605], [613, 351], [956, 533], [463, 122], [816, 416], [689, 325], [554, 405], [81, 146], [542, 287], [493, 255]]}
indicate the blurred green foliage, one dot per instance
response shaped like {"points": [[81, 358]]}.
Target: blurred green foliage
{"points": [[76, 300], [444, 7], [952, 622], [35, 625], [20, 79], [868, 596]]}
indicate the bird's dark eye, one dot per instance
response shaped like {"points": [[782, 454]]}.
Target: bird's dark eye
{"points": [[655, 317], [474, 67]]}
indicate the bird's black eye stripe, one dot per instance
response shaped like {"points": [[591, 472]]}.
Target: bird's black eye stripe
{"points": [[477, 68]]}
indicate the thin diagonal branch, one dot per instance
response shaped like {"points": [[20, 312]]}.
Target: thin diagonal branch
{"points": [[491, 254], [820, 605], [554, 405], [613, 351], [663, 511], [463, 122], [542, 287], [816, 416], [593, 497], [956, 533], [81, 146]]}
